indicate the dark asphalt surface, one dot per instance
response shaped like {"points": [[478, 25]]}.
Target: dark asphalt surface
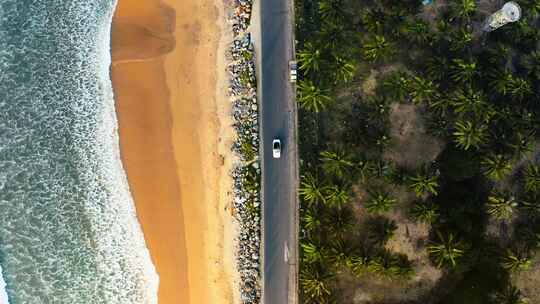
{"points": [[279, 175]]}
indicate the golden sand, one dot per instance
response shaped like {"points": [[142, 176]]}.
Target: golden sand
{"points": [[168, 76]]}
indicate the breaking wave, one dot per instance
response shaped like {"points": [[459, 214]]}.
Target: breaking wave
{"points": [[3, 293], [68, 228]]}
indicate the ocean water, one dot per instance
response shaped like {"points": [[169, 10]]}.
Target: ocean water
{"points": [[68, 228]]}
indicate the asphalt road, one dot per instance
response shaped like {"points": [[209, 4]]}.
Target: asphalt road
{"points": [[280, 178]]}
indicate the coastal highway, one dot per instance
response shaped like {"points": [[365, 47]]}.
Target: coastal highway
{"points": [[279, 176]]}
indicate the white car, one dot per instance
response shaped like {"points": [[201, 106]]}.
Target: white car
{"points": [[276, 148], [292, 71]]}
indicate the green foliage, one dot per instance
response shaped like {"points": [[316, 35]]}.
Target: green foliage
{"points": [[377, 48], [311, 190], [340, 253], [422, 90], [417, 31], [509, 295], [357, 265], [311, 97], [470, 102], [316, 282], [531, 175], [496, 167], [423, 184], [344, 70], [531, 63], [460, 40], [336, 163], [462, 71], [514, 262], [446, 250], [310, 58], [501, 207], [310, 221], [379, 202], [396, 86], [338, 222], [519, 88], [333, 11], [424, 212], [336, 196], [313, 253], [462, 8], [469, 135], [477, 95], [436, 68], [392, 266]]}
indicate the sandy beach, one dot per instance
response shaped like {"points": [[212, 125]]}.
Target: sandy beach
{"points": [[169, 81]]}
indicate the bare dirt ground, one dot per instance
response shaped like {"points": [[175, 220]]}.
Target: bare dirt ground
{"points": [[529, 281], [410, 239], [412, 146]]}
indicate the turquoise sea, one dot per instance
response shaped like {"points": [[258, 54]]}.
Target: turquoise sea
{"points": [[68, 228]]}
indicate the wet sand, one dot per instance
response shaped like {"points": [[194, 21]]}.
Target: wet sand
{"points": [[174, 137]]}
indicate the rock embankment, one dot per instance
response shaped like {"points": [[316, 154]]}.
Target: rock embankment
{"points": [[247, 172]]}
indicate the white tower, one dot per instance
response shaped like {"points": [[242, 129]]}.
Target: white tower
{"points": [[510, 12]]}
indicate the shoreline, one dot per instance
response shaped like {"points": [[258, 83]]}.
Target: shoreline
{"points": [[175, 134]]}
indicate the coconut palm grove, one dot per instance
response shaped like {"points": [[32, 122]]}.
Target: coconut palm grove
{"points": [[420, 157]]}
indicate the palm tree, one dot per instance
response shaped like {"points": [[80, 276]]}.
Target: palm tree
{"points": [[422, 184], [373, 20], [365, 169], [332, 11], [469, 135], [501, 81], [340, 253], [462, 9], [310, 58], [531, 175], [313, 253], [425, 212], [522, 144], [336, 196], [509, 295], [343, 70], [310, 189], [531, 203], [391, 266], [315, 282], [468, 101], [357, 264], [381, 230], [377, 48], [462, 71], [310, 221], [514, 262], [379, 202], [338, 222], [422, 90], [312, 98], [441, 105], [446, 250], [519, 88], [496, 167], [417, 30], [460, 40], [336, 163], [335, 36], [531, 63], [501, 207], [396, 86], [437, 67]]}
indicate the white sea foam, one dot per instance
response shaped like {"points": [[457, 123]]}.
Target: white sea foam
{"points": [[68, 227], [3, 292]]}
